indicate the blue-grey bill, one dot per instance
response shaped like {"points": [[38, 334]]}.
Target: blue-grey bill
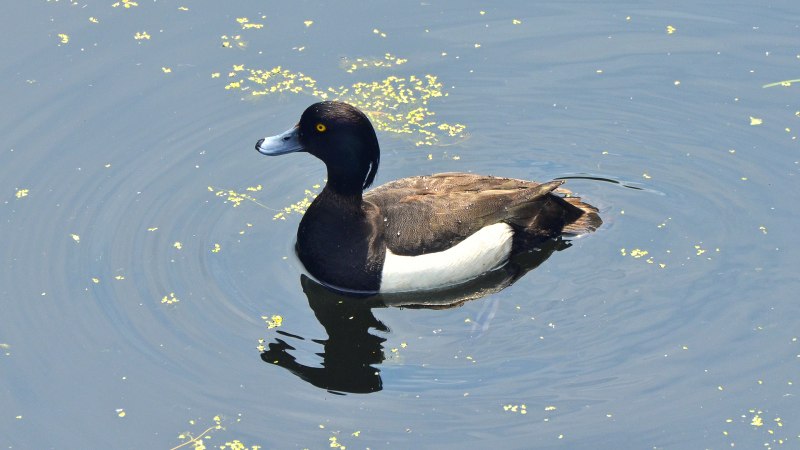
{"points": [[286, 142]]}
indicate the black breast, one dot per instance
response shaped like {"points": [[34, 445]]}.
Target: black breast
{"points": [[339, 243]]}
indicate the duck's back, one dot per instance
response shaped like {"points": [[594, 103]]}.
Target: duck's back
{"points": [[433, 213]]}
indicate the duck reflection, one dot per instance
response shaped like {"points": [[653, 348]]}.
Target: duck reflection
{"points": [[352, 351]]}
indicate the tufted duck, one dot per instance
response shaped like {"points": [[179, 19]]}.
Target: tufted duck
{"points": [[415, 233]]}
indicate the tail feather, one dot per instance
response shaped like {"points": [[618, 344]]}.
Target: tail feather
{"points": [[589, 221]]}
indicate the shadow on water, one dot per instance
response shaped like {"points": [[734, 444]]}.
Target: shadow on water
{"points": [[351, 351]]}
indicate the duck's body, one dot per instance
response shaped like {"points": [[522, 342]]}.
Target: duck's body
{"points": [[415, 233]]}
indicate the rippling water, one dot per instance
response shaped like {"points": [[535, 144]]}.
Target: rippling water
{"points": [[141, 276]]}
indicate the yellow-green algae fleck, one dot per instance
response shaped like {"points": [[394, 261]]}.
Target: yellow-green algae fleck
{"points": [[198, 442], [170, 299], [125, 4], [273, 321], [235, 198], [351, 65]]}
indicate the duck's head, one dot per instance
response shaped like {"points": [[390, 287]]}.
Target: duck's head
{"points": [[338, 134]]}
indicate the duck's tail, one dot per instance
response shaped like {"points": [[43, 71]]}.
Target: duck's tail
{"points": [[589, 221]]}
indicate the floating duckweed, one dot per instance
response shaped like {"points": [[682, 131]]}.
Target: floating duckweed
{"points": [[233, 41], [169, 299], [784, 83], [273, 321], [671, 29], [394, 104], [388, 60], [308, 23], [177, 245], [63, 38], [119, 277], [21, 193], [756, 121], [235, 197], [237, 445], [246, 24], [216, 248], [335, 443], [197, 441], [75, 238], [125, 3], [298, 207], [166, 70], [93, 20], [378, 32], [140, 35], [522, 409]]}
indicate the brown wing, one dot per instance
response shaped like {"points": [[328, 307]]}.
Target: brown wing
{"points": [[432, 213]]}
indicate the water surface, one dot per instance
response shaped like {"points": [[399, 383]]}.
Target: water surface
{"points": [[140, 274]]}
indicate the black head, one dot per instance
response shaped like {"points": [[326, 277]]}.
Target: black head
{"points": [[338, 134]]}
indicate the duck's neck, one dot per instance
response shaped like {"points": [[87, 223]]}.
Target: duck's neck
{"points": [[348, 202], [346, 176]]}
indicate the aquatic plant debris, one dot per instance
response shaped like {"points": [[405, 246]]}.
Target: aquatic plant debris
{"points": [[125, 4], [756, 420], [351, 65], [521, 409], [246, 24], [197, 441], [784, 83], [273, 321], [170, 299], [233, 41], [236, 198], [394, 104]]}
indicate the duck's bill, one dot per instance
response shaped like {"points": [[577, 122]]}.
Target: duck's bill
{"points": [[286, 142]]}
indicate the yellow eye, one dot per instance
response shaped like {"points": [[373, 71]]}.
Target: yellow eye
{"points": [[321, 128]]}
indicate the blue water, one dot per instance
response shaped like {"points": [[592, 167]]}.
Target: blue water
{"points": [[121, 160]]}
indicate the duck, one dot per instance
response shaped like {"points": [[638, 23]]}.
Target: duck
{"points": [[413, 234]]}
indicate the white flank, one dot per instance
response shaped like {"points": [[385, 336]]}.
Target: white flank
{"points": [[484, 250]]}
